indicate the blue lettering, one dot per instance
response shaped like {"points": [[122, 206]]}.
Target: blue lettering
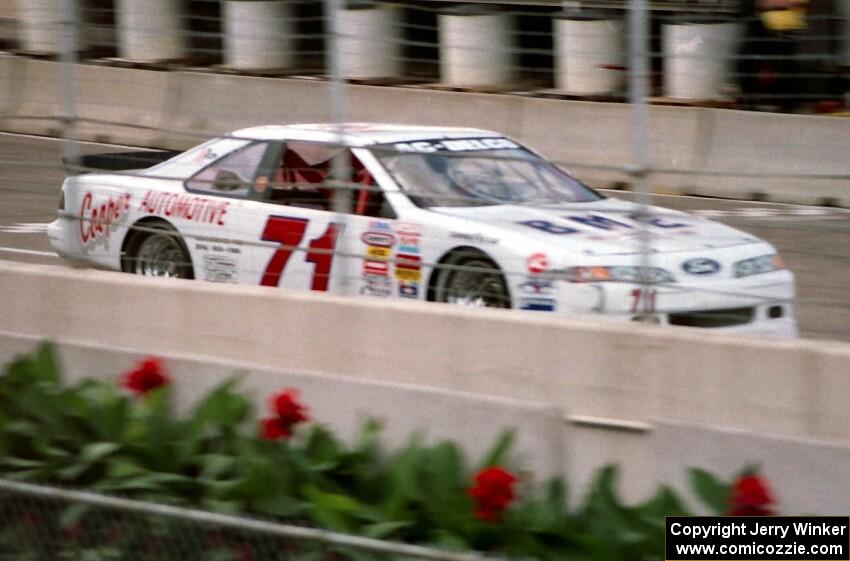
{"points": [[548, 227], [600, 222], [659, 222]]}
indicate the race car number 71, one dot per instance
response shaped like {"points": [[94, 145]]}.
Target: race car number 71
{"points": [[289, 232]]}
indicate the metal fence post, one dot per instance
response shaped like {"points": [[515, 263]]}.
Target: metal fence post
{"points": [[638, 92], [340, 166], [68, 109]]}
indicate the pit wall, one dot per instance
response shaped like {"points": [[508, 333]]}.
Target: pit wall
{"points": [[587, 392], [714, 152]]}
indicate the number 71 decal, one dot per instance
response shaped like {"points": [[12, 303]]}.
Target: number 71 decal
{"points": [[289, 232]]}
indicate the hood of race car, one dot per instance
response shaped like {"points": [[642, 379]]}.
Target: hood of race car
{"points": [[605, 227]]}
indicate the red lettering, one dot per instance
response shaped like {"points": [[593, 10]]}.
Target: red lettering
{"points": [[146, 202], [222, 211], [84, 233], [97, 220], [168, 205]]}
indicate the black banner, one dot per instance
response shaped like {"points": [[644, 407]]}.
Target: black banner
{"points": [[815, 538]]}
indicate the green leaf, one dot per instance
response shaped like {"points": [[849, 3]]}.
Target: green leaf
{"points": [[222, 406], [98, 451], [333, 510], [73, 514], [280, 506], [498, 454], [40, 365], [710, 490], [21, 463], [385, 530]]}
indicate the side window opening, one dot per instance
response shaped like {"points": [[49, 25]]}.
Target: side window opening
{"points": [[231, 175], [301, 178]]}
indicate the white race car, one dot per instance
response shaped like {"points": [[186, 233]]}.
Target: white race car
{"points": [[465, 216]]}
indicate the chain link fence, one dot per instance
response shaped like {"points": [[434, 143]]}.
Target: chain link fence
{"points": [[39, 523], [787, 55]]}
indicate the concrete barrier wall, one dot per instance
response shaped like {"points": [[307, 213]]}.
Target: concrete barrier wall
{"points": [[702, 151], [627, 372], [807, 477]]}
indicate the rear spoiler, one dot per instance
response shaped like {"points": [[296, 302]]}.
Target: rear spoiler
{"points": [[117, 161]]}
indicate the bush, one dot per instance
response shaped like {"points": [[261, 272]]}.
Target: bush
{"points": [[124, 439]]}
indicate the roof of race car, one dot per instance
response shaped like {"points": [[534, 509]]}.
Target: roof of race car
{"points": [[358, 134]]}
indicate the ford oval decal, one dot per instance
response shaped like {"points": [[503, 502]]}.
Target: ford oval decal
{"points": [[701, 266]]}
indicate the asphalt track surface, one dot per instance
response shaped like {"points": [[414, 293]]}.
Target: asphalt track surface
{"points": [[815, 241]]}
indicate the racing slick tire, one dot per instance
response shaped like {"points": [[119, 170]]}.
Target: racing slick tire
{"points": [[470, 278], [155, 249]]}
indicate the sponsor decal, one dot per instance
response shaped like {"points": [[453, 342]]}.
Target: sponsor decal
{"points": [[408, 268], [376, 268], [408, 290], [408, 263], [376, 285], [473, 238], [96, 220], [457, 145], [220, 268], [380, 225], [380, 239], [701, 266], [537, 263], [378, 252], [206, 156], [536, 286], [185, 207], [537, 304], [599, 222]]}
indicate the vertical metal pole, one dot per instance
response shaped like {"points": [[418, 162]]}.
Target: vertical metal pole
{"points": [[68, 109], [337, 99], [340, 166], [638, 92]]}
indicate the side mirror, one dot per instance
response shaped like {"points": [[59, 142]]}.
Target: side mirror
{"points": [[226, 181]]}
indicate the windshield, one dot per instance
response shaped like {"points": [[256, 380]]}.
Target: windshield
{"points": [[482, 178]]}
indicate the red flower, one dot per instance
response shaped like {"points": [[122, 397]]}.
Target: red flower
{"points": [[288, 413], [493, 492], [750, 497], [287, 407], [272, 428], [148, 375]]}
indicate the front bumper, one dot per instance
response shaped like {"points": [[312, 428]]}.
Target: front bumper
{"points": [[760, 304]]}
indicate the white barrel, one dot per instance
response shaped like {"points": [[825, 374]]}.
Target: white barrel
{"points": [[370, 41], [259, 34], [698, 58], [476, 49], [589, 55], [150, 30], [41, 26]]}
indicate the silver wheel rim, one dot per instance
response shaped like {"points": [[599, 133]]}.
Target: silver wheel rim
{"points": [[471, 286], [160, 255]]}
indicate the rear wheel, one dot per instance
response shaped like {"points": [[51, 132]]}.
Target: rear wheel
{"points": [[156, 250], [471, 279]]}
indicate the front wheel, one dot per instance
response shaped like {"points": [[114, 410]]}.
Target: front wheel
{"points": [[471, 279], [156, 250]]}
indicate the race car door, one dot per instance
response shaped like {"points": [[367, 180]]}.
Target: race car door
{"points": [[302, 242]]}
